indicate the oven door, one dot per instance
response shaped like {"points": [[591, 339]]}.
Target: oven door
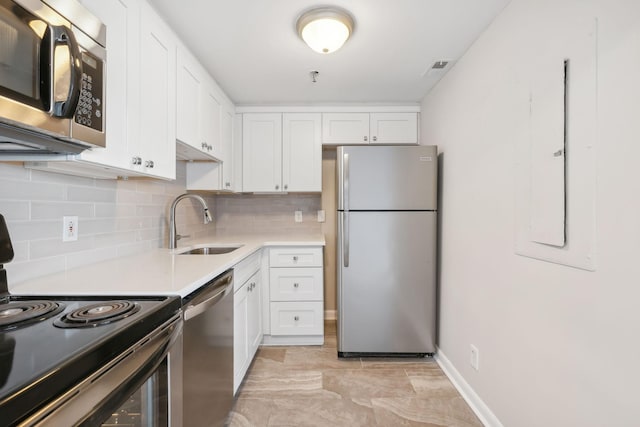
{"points": [[141, 387]]}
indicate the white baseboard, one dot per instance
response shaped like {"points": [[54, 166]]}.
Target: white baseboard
{"points": [[482, 411], [330, 315]]}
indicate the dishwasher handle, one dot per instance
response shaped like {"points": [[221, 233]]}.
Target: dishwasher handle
{"points": [[214, 292]]}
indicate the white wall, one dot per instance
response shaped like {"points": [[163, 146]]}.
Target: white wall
{"points": [[559, 346]]}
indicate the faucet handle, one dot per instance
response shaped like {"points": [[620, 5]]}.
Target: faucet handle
{"points": [[180, 236]]}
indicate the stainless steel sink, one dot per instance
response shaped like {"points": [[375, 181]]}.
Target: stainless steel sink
{"points": [[210, 250]]}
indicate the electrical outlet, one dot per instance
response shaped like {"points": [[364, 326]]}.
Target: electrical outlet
{"points": [[298, 216], [321, 217], [69, 228], [475, 357]]}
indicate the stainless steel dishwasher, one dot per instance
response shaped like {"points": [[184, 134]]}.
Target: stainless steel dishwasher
{"points": [[208, 353]]}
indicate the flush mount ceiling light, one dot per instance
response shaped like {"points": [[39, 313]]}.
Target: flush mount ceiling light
{"points": [[325, 29]]}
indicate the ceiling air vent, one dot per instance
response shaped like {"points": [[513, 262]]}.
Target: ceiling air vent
{"points": [[438, 65]]}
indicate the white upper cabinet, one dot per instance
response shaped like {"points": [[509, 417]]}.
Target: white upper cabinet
{"points": [[226, 145], [393, 128], [281, 152], [345, 128], [369, 128], [262, 152], [122, 68], [301, 152], [218, 176], [199, 111], [140, 99], [157, 95], [211, 118], [190, 83]]}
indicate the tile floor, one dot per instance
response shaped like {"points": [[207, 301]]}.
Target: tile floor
{"points": [[310, 386]]}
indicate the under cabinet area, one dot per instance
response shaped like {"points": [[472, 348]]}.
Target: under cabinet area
{"points": [[369, 128], [296, 296]]}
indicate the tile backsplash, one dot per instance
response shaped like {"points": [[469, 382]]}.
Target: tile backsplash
{"points": [[248, 213], [115, 218], [118, 218]]}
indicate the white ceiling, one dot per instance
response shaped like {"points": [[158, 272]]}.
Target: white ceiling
{"points": [[252, 49]]}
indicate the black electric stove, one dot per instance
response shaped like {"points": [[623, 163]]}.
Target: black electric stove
{"points": [[49, 344]]}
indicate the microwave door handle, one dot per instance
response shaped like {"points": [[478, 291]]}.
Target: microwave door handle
{"points": [[64, 36]]}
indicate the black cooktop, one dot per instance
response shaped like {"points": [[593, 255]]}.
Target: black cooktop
{"points": [[65, 340]]}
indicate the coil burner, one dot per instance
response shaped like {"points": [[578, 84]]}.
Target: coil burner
{"points": [[97, 314], [20, 313]]}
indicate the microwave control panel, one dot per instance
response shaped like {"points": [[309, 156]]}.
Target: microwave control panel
{"points": [[90, 110]]}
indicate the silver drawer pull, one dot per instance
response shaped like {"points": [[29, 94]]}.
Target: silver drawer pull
{"points": [[295, 259], [296, 318], [295, 285]]}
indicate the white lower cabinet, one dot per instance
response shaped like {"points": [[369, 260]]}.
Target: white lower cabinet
{"points": [[247, 316], [296, 296]]}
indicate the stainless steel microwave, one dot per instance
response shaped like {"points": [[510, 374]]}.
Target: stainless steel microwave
{"points": [[52, 78]]}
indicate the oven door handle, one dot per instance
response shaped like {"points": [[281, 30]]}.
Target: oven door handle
{"points": [[93, 400]]}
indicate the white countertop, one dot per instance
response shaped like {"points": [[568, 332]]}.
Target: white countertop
{"points": [[157, 272]]}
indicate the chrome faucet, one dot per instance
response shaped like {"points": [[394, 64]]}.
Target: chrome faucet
{"points": [[173, 236]]}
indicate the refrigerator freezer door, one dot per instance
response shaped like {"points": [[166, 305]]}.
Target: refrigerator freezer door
{"points": [[387, 178], [387, 294]]}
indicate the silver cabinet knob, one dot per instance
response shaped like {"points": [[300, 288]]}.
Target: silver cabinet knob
{"points": [[203, 145], [295, 258], [366, 138], [227, 184], [136, 160], [295, 285], [210, 147], [149, 164], [277, 187], [375, 138], [296, 318], [286, 186]]}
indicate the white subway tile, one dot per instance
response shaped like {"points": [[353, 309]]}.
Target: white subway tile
{"points": [[53, 247], [26, 190], [14, 210], [56, 210], [90, 194]]}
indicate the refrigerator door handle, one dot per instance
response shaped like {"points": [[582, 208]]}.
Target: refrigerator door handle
{"points": [[345, 182], [345, 238], [345, 204]]}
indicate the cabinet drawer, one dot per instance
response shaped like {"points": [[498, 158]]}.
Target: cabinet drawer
{"points": [[296, 284], [297, 318], [243, 270], [295, 257]]}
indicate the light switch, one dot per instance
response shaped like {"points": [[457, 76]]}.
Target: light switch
{"points": [[298, 216], [321, 216]]}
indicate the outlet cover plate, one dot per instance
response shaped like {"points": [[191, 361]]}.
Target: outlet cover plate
{"points": [[69, 228]]}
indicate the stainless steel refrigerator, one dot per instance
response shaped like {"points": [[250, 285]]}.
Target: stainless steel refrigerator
{"points": [[386, 254]]}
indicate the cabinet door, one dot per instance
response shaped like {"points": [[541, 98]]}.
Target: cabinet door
{"points": [[227, 149], [240, 337], [394, 128], [157, 95], [122, 73], [301, 152], [211, 111], [254, 315], [189, 86], [262, 152], [345, 128]]}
